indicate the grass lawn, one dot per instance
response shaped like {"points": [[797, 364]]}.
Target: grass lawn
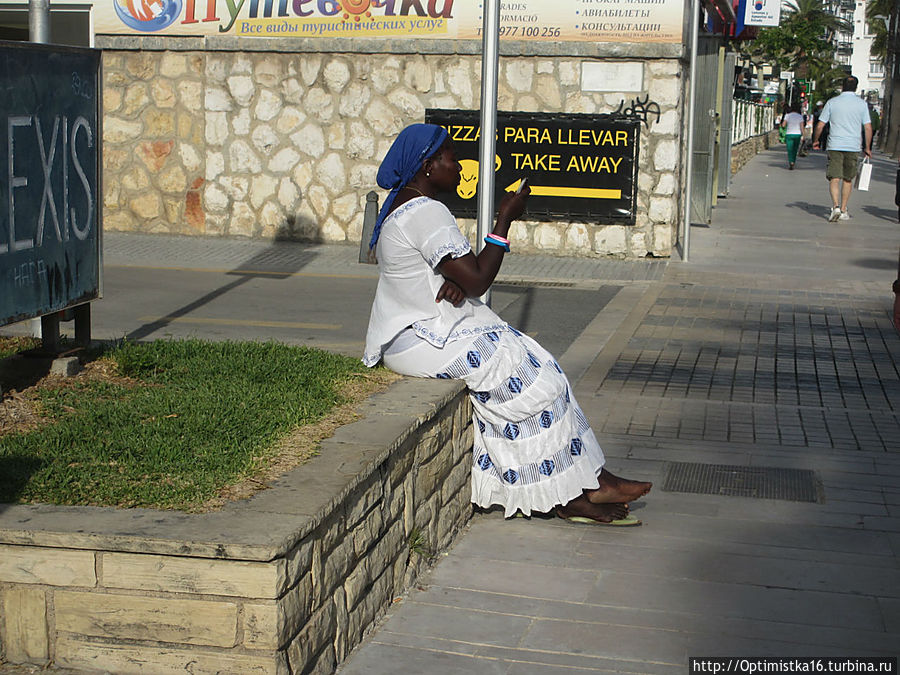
{"points": [[173, 424]]}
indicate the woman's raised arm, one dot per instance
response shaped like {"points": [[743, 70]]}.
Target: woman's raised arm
{"points": [[475, 274]]}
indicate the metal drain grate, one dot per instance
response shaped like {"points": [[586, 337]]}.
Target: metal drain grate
{"points": [[536, 283], [796, 485]]}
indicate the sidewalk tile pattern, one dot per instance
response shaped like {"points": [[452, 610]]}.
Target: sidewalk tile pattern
{"points": [[747, 366]]}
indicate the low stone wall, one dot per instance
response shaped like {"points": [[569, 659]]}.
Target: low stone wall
{"points": [[744, 151], [286, 582]]}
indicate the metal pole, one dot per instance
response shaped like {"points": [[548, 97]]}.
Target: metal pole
{"points": [[686, 238], [39, 31], [39, 21], [490, 57]]}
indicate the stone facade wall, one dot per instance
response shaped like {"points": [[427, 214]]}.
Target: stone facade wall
{"points": [[91, 600], [286, 145]]}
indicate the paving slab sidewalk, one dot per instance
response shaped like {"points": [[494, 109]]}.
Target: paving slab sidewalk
{"points": [[770, 349], [769, 352]]}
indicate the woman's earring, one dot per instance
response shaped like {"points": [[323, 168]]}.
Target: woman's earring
{"points": [[427, 174]]}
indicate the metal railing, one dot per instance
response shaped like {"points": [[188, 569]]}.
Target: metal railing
{"points": [[750, 119]]}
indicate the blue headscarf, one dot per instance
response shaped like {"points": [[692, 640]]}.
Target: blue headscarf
{"points": [[414, 145]]}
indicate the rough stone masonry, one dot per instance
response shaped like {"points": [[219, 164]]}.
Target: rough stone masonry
{"points": [[269, 144]]}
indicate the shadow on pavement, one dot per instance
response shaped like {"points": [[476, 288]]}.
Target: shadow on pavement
{"points": [[890, 215], [278, 261], [811, 209], [875, 263]]}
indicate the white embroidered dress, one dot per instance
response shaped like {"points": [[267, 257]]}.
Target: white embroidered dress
{"points": [[533, 448], [413, 240]]}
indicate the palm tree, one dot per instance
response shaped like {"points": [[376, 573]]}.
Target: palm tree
{"points": [[812, 26], [884, 16], [877, 14], [802, 43], [815, 14]]}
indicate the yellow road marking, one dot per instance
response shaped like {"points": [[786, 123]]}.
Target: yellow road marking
{"points": [[240, 322], [560, 191]]}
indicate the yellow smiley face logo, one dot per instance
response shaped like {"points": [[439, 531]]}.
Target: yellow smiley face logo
{"points": [[468, 177]]}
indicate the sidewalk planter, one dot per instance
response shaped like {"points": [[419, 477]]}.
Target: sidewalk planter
{"points": [[286, 582]]}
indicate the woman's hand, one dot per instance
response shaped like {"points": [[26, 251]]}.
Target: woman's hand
{"points": [[472, 274], [450, 292], [513, 205]]}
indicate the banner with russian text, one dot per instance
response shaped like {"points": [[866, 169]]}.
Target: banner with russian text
{"points": [[528, 20]]}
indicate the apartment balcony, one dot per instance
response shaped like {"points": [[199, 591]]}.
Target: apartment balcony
{"points": [[844, 47]]}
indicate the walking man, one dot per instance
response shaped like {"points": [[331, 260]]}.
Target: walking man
{"points": [[847, 114]]}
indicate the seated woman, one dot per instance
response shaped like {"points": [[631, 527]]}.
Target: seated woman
{"points": [[534, 449]]}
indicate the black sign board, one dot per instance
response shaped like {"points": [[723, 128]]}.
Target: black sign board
{"points": [[578, 166], [49, 179]]}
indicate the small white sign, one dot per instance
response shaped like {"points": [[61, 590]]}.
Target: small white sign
{"points": [[612, 76], [762, 13], [787, 75]]}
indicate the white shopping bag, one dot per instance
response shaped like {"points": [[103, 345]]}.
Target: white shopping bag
{"points": [[864, 175]]}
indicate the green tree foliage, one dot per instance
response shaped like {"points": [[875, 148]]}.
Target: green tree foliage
{"points": [[878, 13], [801, 43], [802, 38]]}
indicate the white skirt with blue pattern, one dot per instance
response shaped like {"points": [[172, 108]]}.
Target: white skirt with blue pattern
{"points": [[533, 447]]}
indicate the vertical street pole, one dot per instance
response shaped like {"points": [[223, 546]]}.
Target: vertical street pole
{"points": [[39, 21], [490, 57], [686, 238], [47, 327]]}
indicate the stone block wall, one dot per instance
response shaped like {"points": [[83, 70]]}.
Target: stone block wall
{"points": [[286, 593], [287, 144]]}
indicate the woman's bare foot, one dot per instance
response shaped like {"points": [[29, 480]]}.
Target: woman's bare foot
{"points": [[603, 513], [613, 489]]}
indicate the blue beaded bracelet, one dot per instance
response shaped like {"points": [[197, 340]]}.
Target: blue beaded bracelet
{"points": [[490, 240]]}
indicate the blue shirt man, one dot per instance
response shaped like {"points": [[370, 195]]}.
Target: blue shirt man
{"points": [[848, 115]]}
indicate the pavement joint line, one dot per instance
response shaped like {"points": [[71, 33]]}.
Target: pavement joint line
{"points": [[240, 272], [517, 280], [533, 650], [480, 610], [800, 407], [239, 322], [597, 371], [434, 650], [611, 442], [585, 348], [486, 657]]}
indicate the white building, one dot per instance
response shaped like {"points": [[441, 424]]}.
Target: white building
{"points": [[869, 70], [853, 49]]}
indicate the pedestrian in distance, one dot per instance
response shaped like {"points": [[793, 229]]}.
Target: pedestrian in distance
{"points": [[823, 137], [534, 450], [806, 140], [793, 122], [846, 114]]}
